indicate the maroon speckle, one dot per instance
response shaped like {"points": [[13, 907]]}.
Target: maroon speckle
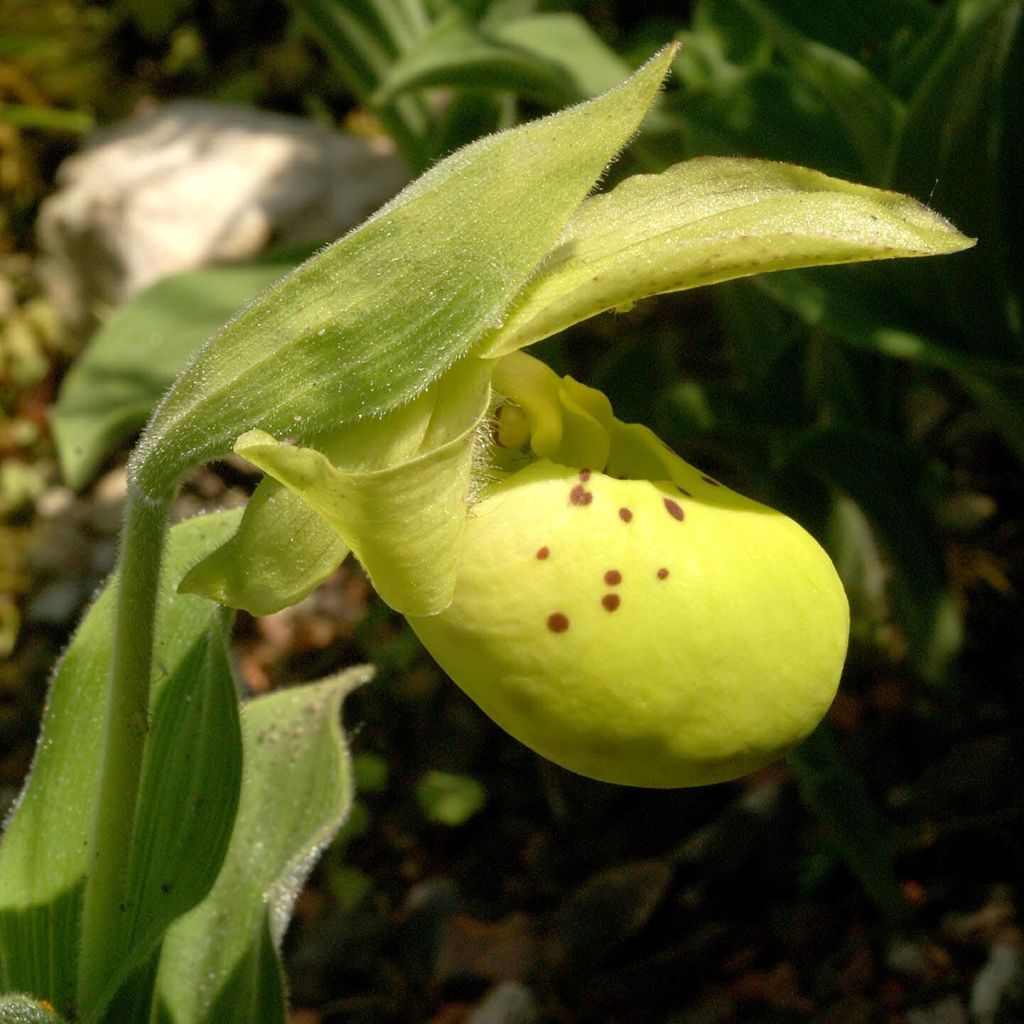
{"points": [[557, 622], [543, 553], [613, 577], [684, 491], [674, 509], [584, 475], [625, 515], [708, 480], [580, 496], [663, 574], [611, 602]]}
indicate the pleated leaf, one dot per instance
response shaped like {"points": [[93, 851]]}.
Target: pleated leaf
{"points": [[191, 777], [219, 962], [43, 852]]}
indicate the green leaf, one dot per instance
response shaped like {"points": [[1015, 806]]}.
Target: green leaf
{"points": [[708, 220], [834, 790], [112, 387], [857, 27], [952, 152], [218, 964], [133, 1000], [869, 114], [885, 479], [457, 53], [404, 521], [866, 311], [566, 41], [16, 1009], [47, 119], [448, 799], [191, 777], [363, 38], [364, 326], [756, 108], [43, 852]]}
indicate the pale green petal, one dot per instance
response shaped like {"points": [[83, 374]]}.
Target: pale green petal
{"points": [[281, 552], [404, 523], [707, 220], [284, 548]]}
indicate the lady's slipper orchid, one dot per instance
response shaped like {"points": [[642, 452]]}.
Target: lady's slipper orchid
{"points": [[634, 620], [604, 601]]}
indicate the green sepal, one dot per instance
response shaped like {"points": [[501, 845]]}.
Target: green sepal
{"points": [[707, 220], [282, 551]]}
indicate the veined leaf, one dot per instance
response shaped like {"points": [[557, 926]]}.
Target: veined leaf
{"points": [[857, 27], [866, 314], [956, 149], [43, 853], [218, 964], [457, 53], [112, 387], [707, 220], [566, 40], [363, 38], [368, 323], [835, 792], [869, 113], [884, 478]]}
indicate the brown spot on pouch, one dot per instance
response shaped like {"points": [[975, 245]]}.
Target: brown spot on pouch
{"points": [[674, 509], [558, 622]]}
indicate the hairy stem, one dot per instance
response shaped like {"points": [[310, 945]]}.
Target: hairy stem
{"points": [[127, 711]]}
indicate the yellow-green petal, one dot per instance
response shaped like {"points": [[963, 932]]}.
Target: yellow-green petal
{"points": [[712, 219], [403, 521]]}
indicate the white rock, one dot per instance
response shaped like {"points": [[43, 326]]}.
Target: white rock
{"points": [[507, 1003], [195, 183]]}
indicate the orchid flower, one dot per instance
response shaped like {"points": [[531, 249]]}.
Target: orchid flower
{"points": [[611, 606]]}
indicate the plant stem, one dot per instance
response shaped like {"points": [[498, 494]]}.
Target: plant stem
{"points": [[127, 710]]}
